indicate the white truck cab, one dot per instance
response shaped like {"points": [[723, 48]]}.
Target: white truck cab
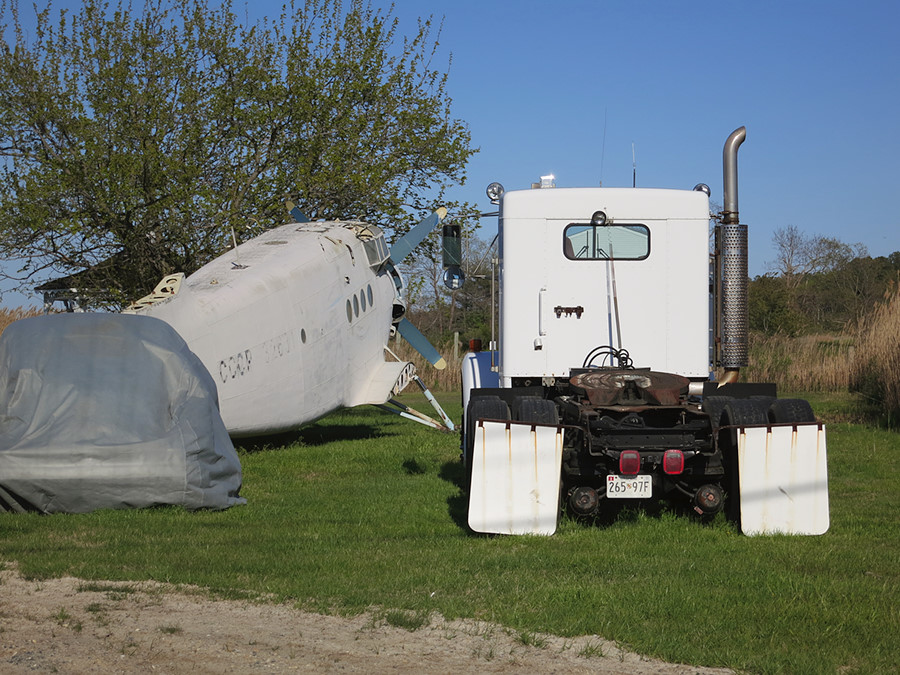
{"points": [[614, 320], [638, 281]]}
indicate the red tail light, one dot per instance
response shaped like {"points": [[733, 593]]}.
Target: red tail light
{"points": [[673, 462], [629, 462]]}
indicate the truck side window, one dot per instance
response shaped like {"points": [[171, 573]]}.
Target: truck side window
{"points": [[607, 242]]}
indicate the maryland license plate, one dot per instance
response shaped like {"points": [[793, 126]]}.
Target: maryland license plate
{"points": [[629, 487]]}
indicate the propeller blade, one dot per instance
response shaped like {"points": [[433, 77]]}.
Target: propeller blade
{"points": [[405, 244], [421, 344], [296, 213]]}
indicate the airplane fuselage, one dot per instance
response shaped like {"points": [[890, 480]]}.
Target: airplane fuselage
{"points": [[292, 324]]}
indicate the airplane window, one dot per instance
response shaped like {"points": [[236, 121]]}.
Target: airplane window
{"points": [[355, 306], [349, 312], [362, 300], [605, 242], [376, 248], [303, 335]]}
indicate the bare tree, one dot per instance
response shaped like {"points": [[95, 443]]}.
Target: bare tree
{"points": [[799, 255]]}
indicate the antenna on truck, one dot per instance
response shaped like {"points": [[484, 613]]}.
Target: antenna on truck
{"points": [[633, 167], [603, 147]]}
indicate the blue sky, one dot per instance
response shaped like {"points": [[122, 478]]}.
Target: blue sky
{"points": [[817, 84]]}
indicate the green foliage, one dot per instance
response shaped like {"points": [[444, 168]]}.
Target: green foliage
{"points": [[841, 297], [337, 522], [833, 300], [770, 308], [818, 284], [136, 141]]}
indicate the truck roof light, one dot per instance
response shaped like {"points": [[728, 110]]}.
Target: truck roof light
{"points": [[673, 462], [494, 192], [598, 219], [629, 462]]}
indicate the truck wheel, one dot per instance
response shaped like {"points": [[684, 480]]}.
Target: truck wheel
{"points": [[791, 410], [738, 412], [713, 406], [535, 409], [745, 412], [480, 408]]}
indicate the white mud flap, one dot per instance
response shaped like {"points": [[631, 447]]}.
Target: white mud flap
{"points": [[783, 479], [515, 478]]}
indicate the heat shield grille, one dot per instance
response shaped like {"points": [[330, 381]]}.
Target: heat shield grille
{"points": [[734, 329]]}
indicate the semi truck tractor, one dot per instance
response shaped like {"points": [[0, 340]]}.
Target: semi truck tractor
{"points": [[616, 374]]}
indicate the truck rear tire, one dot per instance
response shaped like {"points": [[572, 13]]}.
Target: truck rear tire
{"points": [[714, 406], [791, 410], [738, 412], [480, 408], [535, 409], [745, 412]]}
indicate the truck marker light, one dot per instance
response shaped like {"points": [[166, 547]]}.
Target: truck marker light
{"points": [[629, 462], [673, 462]]}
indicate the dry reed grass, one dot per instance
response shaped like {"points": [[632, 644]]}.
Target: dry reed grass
{"points": [[804, 363], [875, 371], [864, 359], [448, 379]]}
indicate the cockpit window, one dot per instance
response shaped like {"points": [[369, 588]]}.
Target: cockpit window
{"points": [[606, 242], [376, 248]]}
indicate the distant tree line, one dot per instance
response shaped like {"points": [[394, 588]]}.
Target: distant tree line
{"points": [[818, 284]]}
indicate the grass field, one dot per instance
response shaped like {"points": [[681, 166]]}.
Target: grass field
{"points": [[365, 510]]}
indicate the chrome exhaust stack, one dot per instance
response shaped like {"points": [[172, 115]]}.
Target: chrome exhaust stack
{"points": [[731, 257]]}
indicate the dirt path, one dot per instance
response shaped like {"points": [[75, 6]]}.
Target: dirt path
{"points": [[71, 626]]}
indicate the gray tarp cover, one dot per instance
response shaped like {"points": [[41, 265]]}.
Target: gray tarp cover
{"points": [[109, 411]]}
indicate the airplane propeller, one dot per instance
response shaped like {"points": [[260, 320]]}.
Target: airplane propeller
{"points": [[296, 213], [420, 343], [405, 244], [399, 251]]}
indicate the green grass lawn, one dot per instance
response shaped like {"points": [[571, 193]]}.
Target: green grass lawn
{"points": [[365, 510]]}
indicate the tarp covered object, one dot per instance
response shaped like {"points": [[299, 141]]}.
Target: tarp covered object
{"points": [[109, 411]]}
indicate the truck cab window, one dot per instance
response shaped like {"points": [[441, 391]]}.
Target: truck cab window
{"points": [[607, 242]]}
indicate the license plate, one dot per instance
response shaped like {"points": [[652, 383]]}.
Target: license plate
{"points": [[631, 487]]}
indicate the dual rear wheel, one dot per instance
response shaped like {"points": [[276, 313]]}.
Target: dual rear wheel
{"points": [[725, 411]]}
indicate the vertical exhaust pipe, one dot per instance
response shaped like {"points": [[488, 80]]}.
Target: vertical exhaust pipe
{"points": [[729, 174], [732, 264]]}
